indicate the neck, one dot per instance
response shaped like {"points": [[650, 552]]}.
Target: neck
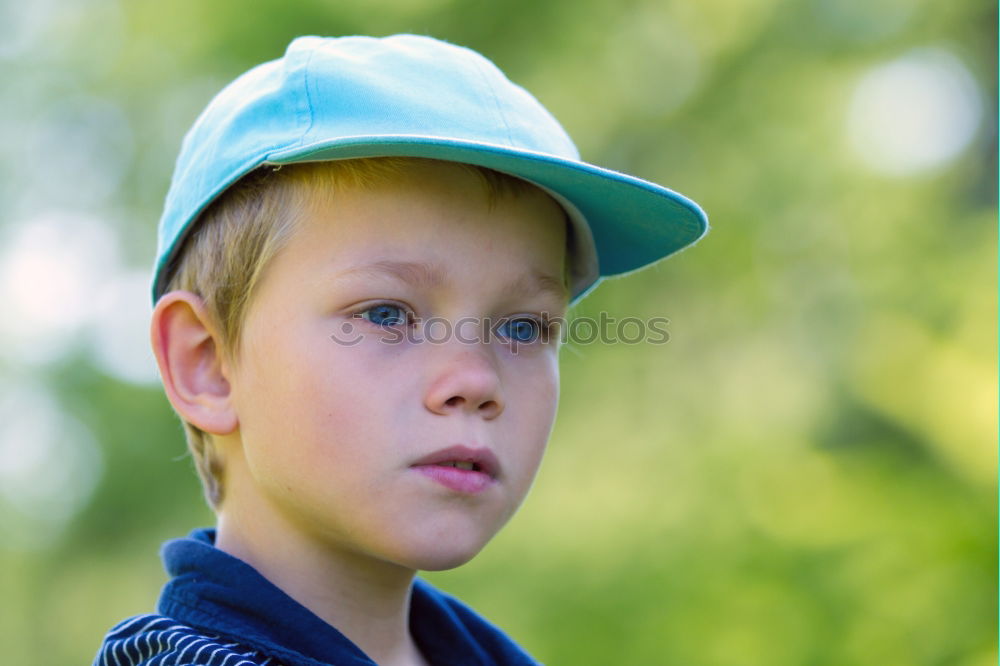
{"points": [[367, 600]]}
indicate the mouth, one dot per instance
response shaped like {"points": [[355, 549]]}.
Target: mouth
{"points": [[461, 468]]}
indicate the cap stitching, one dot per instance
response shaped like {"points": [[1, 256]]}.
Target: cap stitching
{"points": [[480, 68], [309, 104]]}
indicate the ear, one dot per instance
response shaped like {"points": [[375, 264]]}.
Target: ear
{"points": [[187, 352]]}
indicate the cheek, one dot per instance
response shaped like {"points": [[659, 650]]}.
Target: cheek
{"points": [[535, 380], [533, 410], [308, 403]]}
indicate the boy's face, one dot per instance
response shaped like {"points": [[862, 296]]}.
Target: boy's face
{"points": [[336, 406]]}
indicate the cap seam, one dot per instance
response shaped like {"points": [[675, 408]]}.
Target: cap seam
{"points": [[309, 104], [480, 69]]}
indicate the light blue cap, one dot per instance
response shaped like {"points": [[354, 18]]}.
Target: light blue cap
{"points": [[409, 95]]}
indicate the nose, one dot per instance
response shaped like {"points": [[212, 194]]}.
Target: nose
{"points": [[467, 381]]}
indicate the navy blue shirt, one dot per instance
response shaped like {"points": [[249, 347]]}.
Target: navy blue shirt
{"points": [[219, 611]]}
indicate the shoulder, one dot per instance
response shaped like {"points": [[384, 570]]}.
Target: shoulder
{"points": [[157, 640]]}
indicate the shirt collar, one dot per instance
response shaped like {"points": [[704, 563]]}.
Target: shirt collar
{"points": [[215, 591]]}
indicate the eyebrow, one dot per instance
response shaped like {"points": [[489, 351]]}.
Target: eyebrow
{"points": [[425, 275]]}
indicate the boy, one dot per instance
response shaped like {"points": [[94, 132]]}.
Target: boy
{"points": [[325, 209]]}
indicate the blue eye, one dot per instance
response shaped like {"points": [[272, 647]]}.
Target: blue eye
{"points": [[522, 330], [384, 314]]}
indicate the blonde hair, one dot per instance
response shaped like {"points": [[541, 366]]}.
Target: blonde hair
{"points": [[238, 235]]}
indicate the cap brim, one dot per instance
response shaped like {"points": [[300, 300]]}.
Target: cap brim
{"points": [[633, 222]]}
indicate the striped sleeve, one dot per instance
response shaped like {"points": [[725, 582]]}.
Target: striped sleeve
{"points": [[155, 640]]}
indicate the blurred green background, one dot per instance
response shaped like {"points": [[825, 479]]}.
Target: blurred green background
{"points": [[804, 474]]}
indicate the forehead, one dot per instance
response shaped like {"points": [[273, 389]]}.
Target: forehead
{"points": [[427, 223], [420, 199], [428, 275]]}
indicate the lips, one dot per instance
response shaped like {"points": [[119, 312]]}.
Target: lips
{"points": [[483, 460], [462, 469]]}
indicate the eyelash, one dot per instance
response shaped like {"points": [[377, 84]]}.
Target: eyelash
{"points": [[544, 326]]}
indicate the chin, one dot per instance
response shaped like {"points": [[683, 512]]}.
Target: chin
{"points": [[438, 563], [440, 554]]}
